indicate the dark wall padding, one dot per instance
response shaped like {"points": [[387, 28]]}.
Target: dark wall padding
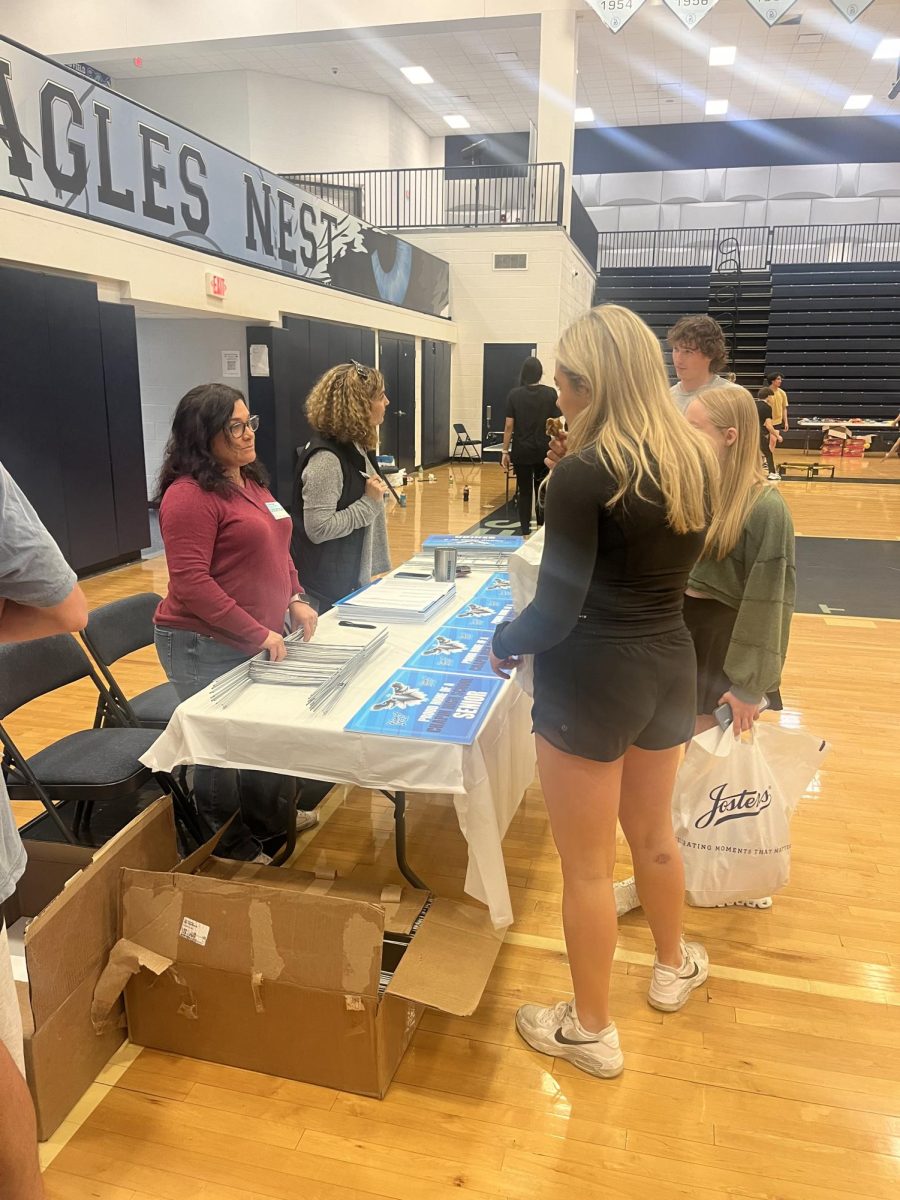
{"points": [[71, 412], [435, 401], [298, 354], [118, 341]]}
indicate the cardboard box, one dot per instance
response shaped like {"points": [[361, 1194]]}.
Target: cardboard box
{"points": [[72, 894], [275, 970]]}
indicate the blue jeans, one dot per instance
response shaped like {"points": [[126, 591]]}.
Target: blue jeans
{"points": [[261, 800]]}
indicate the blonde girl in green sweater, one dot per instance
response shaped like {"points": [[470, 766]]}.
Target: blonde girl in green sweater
{"points": [[740, 594]]}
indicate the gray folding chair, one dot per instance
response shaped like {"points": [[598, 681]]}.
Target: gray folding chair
{"points": [[92, 766], [117, 629]]}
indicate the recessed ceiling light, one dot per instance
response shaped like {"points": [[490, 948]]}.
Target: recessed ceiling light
{"points": [[416, 74], [887, 48], [716, 108], [857, 102], [722, 56], [455, 121], [583, 116], [506, 56]]}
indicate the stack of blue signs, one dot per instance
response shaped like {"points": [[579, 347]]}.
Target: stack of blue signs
{"points": [[473, 542], [445, 690]]}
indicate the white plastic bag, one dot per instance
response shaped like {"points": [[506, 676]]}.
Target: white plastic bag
{"points": [[732, 810], [524, 566]]}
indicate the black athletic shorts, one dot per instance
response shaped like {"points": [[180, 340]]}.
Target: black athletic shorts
{"points": [[711, 624], [594, 696]]}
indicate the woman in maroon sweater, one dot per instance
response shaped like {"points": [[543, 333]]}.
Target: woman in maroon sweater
{"points": [[231, 582]]}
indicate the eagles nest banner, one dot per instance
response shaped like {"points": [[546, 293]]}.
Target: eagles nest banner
{"points": [[69, 143]]}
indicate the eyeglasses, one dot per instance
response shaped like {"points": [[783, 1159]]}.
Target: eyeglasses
{"points": [[362, 372], [236, 428]]}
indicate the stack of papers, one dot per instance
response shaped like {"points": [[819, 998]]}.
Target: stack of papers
{"points": [[398, 601]]}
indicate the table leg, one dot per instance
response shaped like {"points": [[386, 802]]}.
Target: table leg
{"points": [[398, 799]]}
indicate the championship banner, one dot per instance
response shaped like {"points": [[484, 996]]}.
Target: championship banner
{"points": [[67, 142], [851, 9], [615, 13], [771, 11], [690, 12]]}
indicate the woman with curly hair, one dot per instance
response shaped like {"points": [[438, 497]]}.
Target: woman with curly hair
{"points": [[340, 533], [231, 584]]}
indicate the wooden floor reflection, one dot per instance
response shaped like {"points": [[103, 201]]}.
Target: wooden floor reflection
{"points": [[781, 1079]]}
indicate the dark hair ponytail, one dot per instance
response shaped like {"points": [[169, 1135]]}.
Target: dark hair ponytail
{"points": [[202, 412]]}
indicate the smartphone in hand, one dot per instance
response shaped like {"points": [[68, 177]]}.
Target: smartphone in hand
{"points": [[725, 716]]}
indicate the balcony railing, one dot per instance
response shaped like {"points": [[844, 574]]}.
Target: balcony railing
{"points": [[445, 197], [760, 246]]}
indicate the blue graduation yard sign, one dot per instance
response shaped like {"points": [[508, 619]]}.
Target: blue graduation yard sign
{"points": [[445, 690]]}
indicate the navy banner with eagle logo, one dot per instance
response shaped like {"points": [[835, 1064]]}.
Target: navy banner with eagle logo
{"points": [[68, 142]]}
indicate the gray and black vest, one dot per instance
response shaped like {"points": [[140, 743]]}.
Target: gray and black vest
{"points": [[330, 570]]}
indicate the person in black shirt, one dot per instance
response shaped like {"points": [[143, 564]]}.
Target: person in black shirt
{"points": [[615, 674], [527, 408]]}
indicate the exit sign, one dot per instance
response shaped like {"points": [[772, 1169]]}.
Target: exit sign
{"points": [[216, 285]]}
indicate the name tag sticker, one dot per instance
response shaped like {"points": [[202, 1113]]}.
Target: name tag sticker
{"points": [[277, 510]]}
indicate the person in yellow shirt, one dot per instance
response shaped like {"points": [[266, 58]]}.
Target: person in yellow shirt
{"points": [[778, 402]]}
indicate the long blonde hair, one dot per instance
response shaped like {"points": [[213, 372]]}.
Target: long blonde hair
{"points": [[338, 406], [631, 420], [742, 479]]}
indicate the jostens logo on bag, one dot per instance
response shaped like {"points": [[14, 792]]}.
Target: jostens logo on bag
{"points": [[725, 807]]}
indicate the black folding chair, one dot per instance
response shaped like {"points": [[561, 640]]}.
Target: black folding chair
{"points": [[113, 631], [92, 766], [466, 449]]}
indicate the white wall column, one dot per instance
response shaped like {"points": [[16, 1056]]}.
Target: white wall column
{"points": [[556, 97]]}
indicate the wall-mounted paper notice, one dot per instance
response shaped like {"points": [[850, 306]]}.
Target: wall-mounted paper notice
{"points": [[259, 360]]}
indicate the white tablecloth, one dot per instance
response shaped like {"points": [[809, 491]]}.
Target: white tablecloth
{"points": [[269, 727]]}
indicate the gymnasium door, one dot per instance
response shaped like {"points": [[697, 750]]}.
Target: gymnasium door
{"points": [[397, 362], [502, 364], [435, 402]]}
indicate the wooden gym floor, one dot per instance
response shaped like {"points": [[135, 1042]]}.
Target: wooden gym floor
{"points": [[781, 1079]]}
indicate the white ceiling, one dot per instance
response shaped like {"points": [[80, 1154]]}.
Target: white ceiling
{"points": [[654, 71]]}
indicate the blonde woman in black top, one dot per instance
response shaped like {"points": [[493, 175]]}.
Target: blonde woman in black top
{"points": [[614, 671]]}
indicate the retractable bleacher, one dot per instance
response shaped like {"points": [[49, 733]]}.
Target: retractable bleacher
{"points": [[834, 330]]}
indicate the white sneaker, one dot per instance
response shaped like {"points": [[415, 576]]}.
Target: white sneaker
{"points": [[556, 1031], [671, 987], [627, 899], [262, 860], [774, 477], [306, 820], [759, 902]]}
